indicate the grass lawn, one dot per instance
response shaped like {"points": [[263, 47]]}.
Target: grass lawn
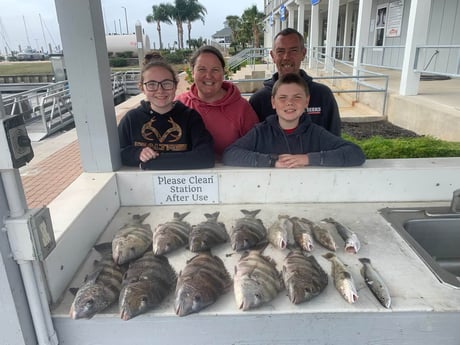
{"points": [[19, 68]]}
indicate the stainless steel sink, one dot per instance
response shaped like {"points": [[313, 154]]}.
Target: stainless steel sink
{"points": [[434, 234]]}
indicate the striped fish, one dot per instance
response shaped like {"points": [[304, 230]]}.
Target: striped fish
{"points": [[302, 231], [171, 235], [201, 282], [132, 240], [145, 285], [248, 231], [207, 234], [100, 288], [303, 277], [256, 280]]}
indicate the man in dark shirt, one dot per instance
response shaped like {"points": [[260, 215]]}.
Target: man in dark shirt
{"points": [[287, 53]]}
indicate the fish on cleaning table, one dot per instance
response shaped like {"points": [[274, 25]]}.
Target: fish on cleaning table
{"points": [[171, 235], [132, 240], [100, 288], [352, 243], [146, 283], [207, 234], [256, 280], [322, 232], [343, 280], [302, 232], [248, 231], [303, 277], [202, 281], [375, 282], [280, 233]]}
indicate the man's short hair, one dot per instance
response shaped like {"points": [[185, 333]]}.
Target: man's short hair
{"points": [[290, 31]]}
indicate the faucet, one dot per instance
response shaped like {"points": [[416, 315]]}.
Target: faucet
{"points": [[455, 203]]}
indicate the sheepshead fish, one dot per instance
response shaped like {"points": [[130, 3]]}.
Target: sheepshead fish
{"points": [[256, 280], [207, 234], [171, 235], [132, 240], [375, 282], [302, 232], [248, 231], [100, 288], [303, 277], [202, 281], [145, 285], [322, 234], [343, 279], [352, 243], [280, 233]]}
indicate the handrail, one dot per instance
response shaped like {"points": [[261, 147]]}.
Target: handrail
{"points": [[366, 81], [248, 55], [48, 109]]}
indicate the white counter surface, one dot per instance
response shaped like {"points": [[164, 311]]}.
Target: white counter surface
{"points": [[413, 287]]}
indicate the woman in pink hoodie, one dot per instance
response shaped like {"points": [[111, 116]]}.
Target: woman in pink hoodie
{"points": [[226, 114]]}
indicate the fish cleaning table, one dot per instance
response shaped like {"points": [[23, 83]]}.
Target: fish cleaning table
{"points": [[423, 311]]}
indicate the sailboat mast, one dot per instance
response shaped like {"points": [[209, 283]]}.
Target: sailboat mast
{"points": [[27, 34], [43, 30]]}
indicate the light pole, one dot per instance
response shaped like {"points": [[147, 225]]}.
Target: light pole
{"points": [[126, 19]]}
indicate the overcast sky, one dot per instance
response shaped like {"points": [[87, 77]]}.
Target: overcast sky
{"points": [[20, 22]]}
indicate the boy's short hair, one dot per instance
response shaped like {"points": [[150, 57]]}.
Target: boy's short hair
{"points": [[291, 78]]}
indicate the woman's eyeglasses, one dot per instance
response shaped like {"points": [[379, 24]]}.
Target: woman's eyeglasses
{"points": [[153, 85]]}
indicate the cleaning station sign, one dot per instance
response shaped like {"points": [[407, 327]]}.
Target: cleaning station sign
{"points": [[172, 189]]}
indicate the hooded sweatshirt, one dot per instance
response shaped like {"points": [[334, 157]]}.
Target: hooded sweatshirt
{"points": [[322, 107], [178, 135], [227, 119], [266, 139]]}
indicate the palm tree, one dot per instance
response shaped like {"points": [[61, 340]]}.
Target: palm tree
{"points": [[234, 23], [160, 14], [195, 11], [252, 21], [179, 15]]}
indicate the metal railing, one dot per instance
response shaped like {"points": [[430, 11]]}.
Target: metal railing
{"points": [[48, 109], [433, 59], [49, 105], [247, 56], [340, 74], [438, 59]]}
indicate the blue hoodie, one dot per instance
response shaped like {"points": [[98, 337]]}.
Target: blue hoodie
{"points": [[322, 107], [267, 138]]}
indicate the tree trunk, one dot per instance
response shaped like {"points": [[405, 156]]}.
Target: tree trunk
{"points": [[159, 35]]}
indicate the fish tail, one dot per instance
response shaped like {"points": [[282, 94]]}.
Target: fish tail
{"points": [[139, 218], [250, 213], [329, 256], [180, 216], [364, 260], [212, 216], [103, 248]]}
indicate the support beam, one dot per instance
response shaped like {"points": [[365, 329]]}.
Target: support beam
{"points": [[85, 51], [417, 30]]}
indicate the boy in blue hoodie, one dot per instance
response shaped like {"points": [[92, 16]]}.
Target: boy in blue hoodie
{"points": [[289, 138]]}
